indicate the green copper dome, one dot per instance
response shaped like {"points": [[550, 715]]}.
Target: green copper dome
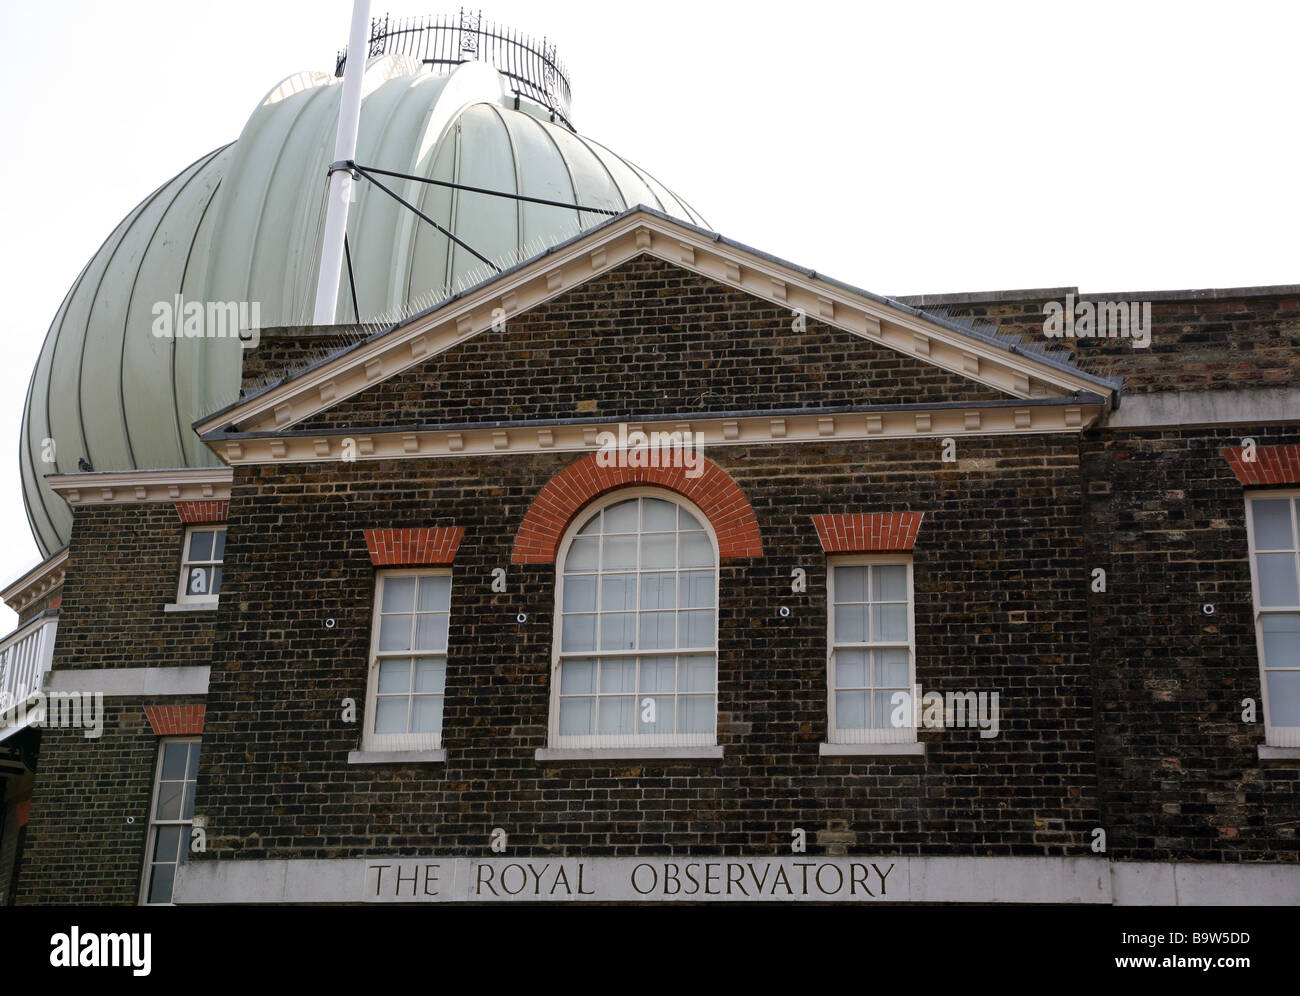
{"points": [[243, 224]]}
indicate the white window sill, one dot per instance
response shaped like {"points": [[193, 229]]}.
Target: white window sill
{"points": [[396, 756], [914, 749], [208, 605], [628, 753], [1279, 753]]}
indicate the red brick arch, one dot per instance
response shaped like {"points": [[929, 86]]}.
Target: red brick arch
{"points": [[575, 487]]}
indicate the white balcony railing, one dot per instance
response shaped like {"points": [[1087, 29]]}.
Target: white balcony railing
{"points": [[25, 658]]}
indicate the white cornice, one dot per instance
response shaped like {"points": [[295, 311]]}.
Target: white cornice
{"points": [[755, 429], [131, 486], [1018, 375], [42, 580]]}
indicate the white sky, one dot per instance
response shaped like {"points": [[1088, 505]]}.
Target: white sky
{"points": [[906, 148]]}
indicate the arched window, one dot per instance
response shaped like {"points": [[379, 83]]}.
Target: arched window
{"points": [[636, 626]]}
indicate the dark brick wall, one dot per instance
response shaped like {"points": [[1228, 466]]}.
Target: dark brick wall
{"points": [[648, 338], [275, 781], [1202, 341], [1179, 769], [79, 847], [124, 566]]}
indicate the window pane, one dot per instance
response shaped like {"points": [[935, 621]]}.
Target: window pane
{"points": [[192, 766], [168, 806], [850, 624], [435, 593], [619, 553], [1284, 698], [167, 843], [219, 545], [658, 674], [214, 586], [851, 710], [199, 581], [891, 583], [592, 527], [851, 669], [578, 633], [399, 594], [697, 589], [577, 677], [618, 592], [891, 669], [1281, 639], [173, 763], [618, 631], [200, 545], [395, 632], [686, 521], [696, 550], [659, 550], [850, 584], [1277, 579], [695, 714], [577, 717], [582, 554], [160, 883], [1272, 521], [892, 713], [394, 676], [660, 712], [697, 672], [621, 518], [617, 715], [580, 594], [618, 676], [658, 630], [426, 714], [431, 631], [187, 802], [658, 591], [695, 629], [390, 714], [889, 622], [657, 515], [431, 675]]}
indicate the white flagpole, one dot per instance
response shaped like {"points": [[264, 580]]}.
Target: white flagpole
{"points": [[340, 181]]}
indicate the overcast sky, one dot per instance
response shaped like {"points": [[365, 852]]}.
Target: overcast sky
{"points": [[906, 148]]}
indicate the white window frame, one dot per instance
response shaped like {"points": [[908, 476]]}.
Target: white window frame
{"points": [[182, 598], [900, 735], [385, 742], [1274, 736], [622, 741], [151, 837]]}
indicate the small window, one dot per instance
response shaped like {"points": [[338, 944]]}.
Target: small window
{"points": [[205, 547], [170, 818], [408, 661], [1273, 530], [636, 641], [872, 650]]}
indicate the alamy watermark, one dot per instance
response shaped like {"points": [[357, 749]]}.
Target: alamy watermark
{"points": [[679, 448], [59, 710], [937, 710], [1102, 320], [182, 319]]}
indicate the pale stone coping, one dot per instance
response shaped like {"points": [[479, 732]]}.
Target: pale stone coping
{"points": [[627, 753], [396, 756], [121, 681], [1267, 753], [915, 749], [207, 606], [1193, 408], [944, 879]]}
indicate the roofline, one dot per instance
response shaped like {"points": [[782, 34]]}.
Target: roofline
{"points": [[41, 571], [1014, 347], [1056, 293]]}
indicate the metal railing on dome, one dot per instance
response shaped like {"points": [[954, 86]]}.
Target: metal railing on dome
{"points": [[531, 67]]}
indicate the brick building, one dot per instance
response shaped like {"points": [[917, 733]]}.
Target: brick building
{"points": [[655, 568]]}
